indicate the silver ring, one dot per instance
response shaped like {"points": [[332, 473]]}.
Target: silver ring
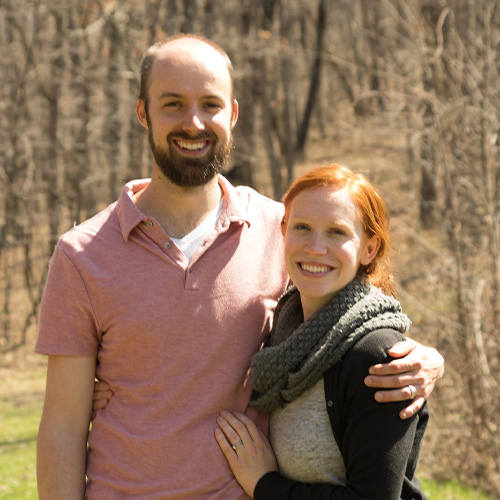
{"points": [[237, 445], [413, 391]]}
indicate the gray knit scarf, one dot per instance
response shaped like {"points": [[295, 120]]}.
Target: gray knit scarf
{"points": [[298, 352]]}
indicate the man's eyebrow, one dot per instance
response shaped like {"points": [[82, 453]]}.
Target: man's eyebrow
{"points": [[166, 95]]}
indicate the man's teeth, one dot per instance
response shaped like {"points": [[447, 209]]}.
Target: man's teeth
{"points": [[191, 146], [315, 269]]}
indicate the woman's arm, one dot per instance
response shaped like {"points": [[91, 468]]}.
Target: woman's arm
{"points": [[380, 450]]}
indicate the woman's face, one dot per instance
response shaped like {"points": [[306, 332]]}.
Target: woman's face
{"points": [[324, 244]]}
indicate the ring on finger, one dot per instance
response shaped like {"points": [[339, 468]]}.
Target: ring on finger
{"points": [[413, 391], [237, 445]]}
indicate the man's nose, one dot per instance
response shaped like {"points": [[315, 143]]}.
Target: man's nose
{"points": [[193, 120]]}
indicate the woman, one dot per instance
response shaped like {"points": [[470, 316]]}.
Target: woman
{"points": [[331, 438]]}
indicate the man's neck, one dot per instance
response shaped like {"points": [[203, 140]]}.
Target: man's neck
{"points": [[179, 210]]}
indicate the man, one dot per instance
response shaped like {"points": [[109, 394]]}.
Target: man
{"points": [[166, 295]]}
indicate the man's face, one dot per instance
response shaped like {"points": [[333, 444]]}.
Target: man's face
{"points": [[187, 171], [190, 114]]}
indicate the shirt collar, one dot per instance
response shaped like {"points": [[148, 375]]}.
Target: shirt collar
{"points": [[129, 216], [236, 204], [235, 208]]}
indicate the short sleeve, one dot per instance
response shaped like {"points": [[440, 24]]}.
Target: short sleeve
{"points": [[67, 323]]}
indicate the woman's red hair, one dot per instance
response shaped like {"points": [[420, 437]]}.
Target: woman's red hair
{"points": [[372, 209]]}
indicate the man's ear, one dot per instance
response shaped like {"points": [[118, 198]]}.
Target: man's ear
{"points": [[140, 110], [234, 116], [370, 250]]}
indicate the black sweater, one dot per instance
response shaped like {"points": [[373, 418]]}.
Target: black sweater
{"points": [[380, 450]]}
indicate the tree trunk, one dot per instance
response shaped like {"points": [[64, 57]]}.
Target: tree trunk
{"points": [[314, 80]]}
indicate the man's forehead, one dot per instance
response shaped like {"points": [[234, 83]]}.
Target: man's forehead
{"points": [[190, 48], [190, 62]]}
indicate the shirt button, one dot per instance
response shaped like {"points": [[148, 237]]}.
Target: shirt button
{"points": [[167, 245], [149, 223], [329, 403]]}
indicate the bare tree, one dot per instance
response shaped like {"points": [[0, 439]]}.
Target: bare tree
{"points": [[314, 81], [427, 70]]}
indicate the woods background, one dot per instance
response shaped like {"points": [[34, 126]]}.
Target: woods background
{"points": [[423, 73]]}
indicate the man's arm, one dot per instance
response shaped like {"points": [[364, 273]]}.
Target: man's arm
{"points": [[62, 437], [416, 365]]}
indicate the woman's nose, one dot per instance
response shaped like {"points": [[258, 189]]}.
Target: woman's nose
{"points": [[315, 244]]}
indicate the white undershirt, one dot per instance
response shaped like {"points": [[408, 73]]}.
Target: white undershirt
{"points": [[189, 243]]}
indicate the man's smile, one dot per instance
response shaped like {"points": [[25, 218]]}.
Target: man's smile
{"points": [[192, 146]]}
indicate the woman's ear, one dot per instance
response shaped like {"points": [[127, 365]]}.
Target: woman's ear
{"points": [[370, 251]]}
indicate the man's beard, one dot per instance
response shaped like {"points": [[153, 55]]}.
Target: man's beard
{"points": [[190, 172]]}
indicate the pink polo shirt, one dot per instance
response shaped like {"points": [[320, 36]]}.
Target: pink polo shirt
{"points": [[173, 338]]}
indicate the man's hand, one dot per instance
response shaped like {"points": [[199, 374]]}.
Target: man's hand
{"points": [[102, 395], [411, 376]]}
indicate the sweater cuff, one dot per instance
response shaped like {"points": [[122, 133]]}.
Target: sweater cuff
{"points": [[270, 486]]}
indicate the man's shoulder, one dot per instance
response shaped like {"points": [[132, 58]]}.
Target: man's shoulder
{"points": [[257, 200], [247, 192], [252, 192], [101, 225], [248, 204]]}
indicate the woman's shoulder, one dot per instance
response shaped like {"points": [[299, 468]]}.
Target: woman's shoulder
{"points": [[377, 339], [372, 348]]}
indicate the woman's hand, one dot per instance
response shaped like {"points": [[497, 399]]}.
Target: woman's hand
{"points": [[247, 450], [411, 376]]}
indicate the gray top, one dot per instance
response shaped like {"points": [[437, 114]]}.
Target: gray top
{"points": [[302, 439]]}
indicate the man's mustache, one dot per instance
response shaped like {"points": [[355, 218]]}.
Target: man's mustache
{"points": [[206, 134]]}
